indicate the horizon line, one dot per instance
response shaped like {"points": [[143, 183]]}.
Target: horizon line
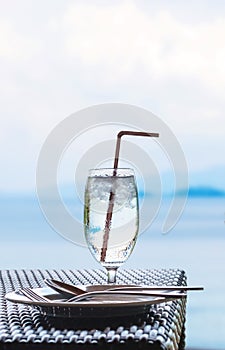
{"points": [[191, 191]]}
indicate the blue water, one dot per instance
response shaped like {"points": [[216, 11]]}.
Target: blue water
{"points": [[196, 244]]}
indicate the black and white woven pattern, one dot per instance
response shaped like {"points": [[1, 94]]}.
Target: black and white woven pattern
{"points": [[23, 327]]}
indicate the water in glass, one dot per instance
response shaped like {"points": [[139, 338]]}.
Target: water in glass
{"points": [[116, 236]]}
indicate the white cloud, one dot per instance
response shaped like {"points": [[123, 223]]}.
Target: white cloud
{"points": [[15, 46], [123, 38]]}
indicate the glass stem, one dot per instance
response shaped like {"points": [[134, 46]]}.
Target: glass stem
{"points": [[111, 273]]}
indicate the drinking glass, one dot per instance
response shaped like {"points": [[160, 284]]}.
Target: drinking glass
{"points": [[111, 217]]}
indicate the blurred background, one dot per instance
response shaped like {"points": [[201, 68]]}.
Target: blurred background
{"points": [[58, 57]]}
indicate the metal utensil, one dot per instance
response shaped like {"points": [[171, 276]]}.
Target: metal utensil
{"points": [[70, 289], [64, 288], [32, 295], [109, 293]]}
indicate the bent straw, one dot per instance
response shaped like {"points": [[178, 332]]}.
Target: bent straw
{"points": [[112, 194]]}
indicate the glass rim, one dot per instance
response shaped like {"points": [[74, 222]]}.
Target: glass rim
{"points": [[110, 171]]}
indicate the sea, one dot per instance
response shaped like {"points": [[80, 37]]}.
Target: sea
{"points": [[195, 244]]}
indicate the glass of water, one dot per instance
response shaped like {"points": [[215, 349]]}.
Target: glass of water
{"points": [[111, 217]]}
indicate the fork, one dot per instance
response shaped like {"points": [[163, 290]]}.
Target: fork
{"points": [[83, 297], [32, 295]]}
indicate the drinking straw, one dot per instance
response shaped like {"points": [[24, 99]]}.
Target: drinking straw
{"points": [[112, 193]]}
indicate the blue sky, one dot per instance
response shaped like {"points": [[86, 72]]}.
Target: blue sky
{"points": [[61, 56]]}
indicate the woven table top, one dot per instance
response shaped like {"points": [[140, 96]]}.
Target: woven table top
{"points": [[25, 327]]}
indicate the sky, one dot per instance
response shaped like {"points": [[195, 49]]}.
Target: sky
{"points": [[57, 57]]}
